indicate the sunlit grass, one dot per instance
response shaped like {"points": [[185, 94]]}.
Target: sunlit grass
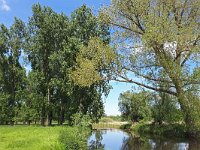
{"points": [[30, 138], [106, 126]]}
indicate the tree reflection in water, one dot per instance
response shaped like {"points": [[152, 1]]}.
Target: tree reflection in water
{"points": [[107, 139], [144, 143], [135, 143], [97, 143]]}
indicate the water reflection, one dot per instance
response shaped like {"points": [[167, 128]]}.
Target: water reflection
{"points": [[138, 143], [107, 139], [96, 142], [119, 140]]}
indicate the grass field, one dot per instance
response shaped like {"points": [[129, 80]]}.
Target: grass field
{"points": [[109, 122], [30, 138]]}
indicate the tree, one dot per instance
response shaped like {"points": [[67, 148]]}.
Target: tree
{"points": [[165, 107], [154, 36], [12, 74], [52, 46], [134, 106], [47, 37], [85, 26]]}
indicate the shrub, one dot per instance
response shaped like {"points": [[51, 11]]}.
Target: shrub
{"points": [[126, 126], [79, 119], [167, 130], [74, 138]]}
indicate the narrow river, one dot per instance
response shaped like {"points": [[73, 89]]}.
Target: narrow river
{"points": [[113, 139]]}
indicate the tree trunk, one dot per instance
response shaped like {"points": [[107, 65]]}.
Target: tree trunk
{"points": [[61, 118], [29, 122], [12, 123], [182, 99], [49, 112], [43, 115], [160, 122], [188, 108]]}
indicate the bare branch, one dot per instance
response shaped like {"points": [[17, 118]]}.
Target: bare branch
{"points": [[125, 79], [135, 22], [188, 56], [126, 28], [147, 77], [183, 10]]}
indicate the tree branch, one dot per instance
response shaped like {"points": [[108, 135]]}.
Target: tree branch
{"points": [[126, 28], [125, 79], [147, 77], [188, 56]]}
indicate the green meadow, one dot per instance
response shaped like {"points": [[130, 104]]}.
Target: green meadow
{"points": [[30, 138]]}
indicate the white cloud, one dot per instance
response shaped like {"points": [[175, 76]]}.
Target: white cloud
{"points": [[4, 6]]}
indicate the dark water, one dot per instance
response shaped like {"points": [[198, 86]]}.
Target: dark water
{"points": [[119, 140]]}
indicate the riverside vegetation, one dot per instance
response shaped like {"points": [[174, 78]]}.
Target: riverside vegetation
{"points": [[154, 44], [43, 138]]}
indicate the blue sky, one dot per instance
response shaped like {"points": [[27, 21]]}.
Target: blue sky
{"points": [[22, 9]]}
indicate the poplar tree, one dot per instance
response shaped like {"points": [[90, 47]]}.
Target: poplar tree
{"points": [[12, 73]]}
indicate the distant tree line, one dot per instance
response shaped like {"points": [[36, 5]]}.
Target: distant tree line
{"points": [[49, 44], [150, 106]]}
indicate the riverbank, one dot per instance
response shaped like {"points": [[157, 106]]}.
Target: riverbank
{"points": [[165, 130], [22, 137], [109, 125], [177, 130], [114, 139], [111, 122]]}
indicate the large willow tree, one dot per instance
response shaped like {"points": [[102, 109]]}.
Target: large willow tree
{"points": [[156, 41]]}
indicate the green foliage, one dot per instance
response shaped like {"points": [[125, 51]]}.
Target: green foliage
{"points": [[126, 126], [111, 119], [51, 43], [116, 118], [74, 138], [134, 106], [162, 107], [12, 73], [45, 42], [3, 108], [106, 119], [167, 130], [79, 119], [93, 59], [166, 109], [158, 42]]}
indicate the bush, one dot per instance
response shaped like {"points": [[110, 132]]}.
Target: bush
{"points": [[106, 119], [126, 126], [167, 130], [74, 138], [79, 119]]}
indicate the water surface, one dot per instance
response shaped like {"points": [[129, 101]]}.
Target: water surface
{"points": [[113, 139]]}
